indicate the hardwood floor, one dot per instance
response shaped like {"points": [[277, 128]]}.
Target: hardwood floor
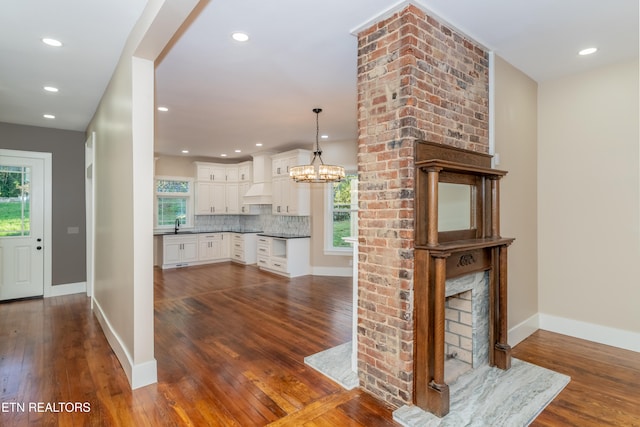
{"points": [[605, 381], [230, 343]]}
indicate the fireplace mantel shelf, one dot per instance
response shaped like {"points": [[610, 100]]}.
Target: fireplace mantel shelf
{"points": [[467, 245], [449, 166]]}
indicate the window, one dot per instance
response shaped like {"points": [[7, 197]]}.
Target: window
{"points": [[341, 218], [173, 201], [14, 201]]}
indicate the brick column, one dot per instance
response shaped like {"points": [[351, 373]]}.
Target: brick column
{"points": [[417, 79]]}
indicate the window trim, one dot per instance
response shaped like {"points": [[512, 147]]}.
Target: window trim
{"points": [[189, 196], [329, 249]]}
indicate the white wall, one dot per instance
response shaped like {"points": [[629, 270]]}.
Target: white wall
{"points": [[123, 123], [516, 138], [588, 206]]}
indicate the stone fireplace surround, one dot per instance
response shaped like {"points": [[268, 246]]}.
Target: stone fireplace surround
{"points": [[477, 286]]}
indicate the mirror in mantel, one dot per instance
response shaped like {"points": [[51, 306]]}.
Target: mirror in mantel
{"points": [[454, 206]]}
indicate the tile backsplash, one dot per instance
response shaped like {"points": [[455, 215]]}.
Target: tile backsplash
{"points": [[265, 221]]}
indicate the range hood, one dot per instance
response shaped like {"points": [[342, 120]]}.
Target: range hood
{"points": [[260, 191]]}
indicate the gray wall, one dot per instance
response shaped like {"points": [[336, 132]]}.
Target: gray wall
{"points": [[67, 148]]}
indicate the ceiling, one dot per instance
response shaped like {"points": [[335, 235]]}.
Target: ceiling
{"points": [[224, 96]]}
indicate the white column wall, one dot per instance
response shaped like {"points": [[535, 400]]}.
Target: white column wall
{"points": [[123, 123]]}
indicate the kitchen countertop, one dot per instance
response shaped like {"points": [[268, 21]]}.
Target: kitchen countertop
{"points": [[284, 235], [180, 232]]}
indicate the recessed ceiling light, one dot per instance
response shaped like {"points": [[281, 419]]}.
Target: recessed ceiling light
{"points": [[50, 89], [163, 109], [259, 144], [588, 51], [324, 136], [223, 155], [52, 42], [239, 36], [185, 151], [48, 116], [238, 151]]}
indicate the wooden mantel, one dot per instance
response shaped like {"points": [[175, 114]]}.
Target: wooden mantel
{"points": [[440, 255]]}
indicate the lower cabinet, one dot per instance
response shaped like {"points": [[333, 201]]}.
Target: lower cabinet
{"points": [[244, 248], [285, 256], [179, 251], [193, 249], [213, 247]]}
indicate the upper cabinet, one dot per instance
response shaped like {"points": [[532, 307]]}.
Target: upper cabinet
{"points": [[218, 188], [245, 172], [210, 172], [210, 198], [232, 173], [289, 197]]}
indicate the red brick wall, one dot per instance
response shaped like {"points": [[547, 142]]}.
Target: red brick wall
{"points": [[417, 79]]}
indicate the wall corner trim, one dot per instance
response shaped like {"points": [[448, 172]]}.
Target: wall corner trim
{"points": [[522, 330], [144, 374], [138, 375]]}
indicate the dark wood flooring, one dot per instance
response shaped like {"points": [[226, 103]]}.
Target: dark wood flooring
{"points": [[230, 343]]}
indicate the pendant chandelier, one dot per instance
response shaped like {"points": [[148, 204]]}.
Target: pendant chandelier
{"points": [[317, 171]]}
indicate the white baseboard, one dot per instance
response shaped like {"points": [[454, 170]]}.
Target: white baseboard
{"points": [[144, 374], [138, 375], [66, 289], [590, 331], [332, 271], [522, 330]]}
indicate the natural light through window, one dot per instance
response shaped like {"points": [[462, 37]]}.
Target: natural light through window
{"points": [[341, 218], [173, 201], [15, 219]]}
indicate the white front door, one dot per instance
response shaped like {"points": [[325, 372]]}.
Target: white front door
{"points": [[22, 242]]}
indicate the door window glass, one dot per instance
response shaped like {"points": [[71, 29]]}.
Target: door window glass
{"points": [[14, 201]]}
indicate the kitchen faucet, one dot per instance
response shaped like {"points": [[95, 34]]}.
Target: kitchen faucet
{"points": [[177, 225]]}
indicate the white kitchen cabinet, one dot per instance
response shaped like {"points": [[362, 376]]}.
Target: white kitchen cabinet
{"points": [[288, 196], [244, 247], [231, 173], [179, 250], [218, 190], [285, 256], [213, 247], [264, 251], [231, 199], [210, 198], [278, 202], [211, 172], [245, 172], [279, 166]]}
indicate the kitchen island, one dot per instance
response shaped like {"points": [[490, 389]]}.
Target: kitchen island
{"points": [[284, 254]]}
